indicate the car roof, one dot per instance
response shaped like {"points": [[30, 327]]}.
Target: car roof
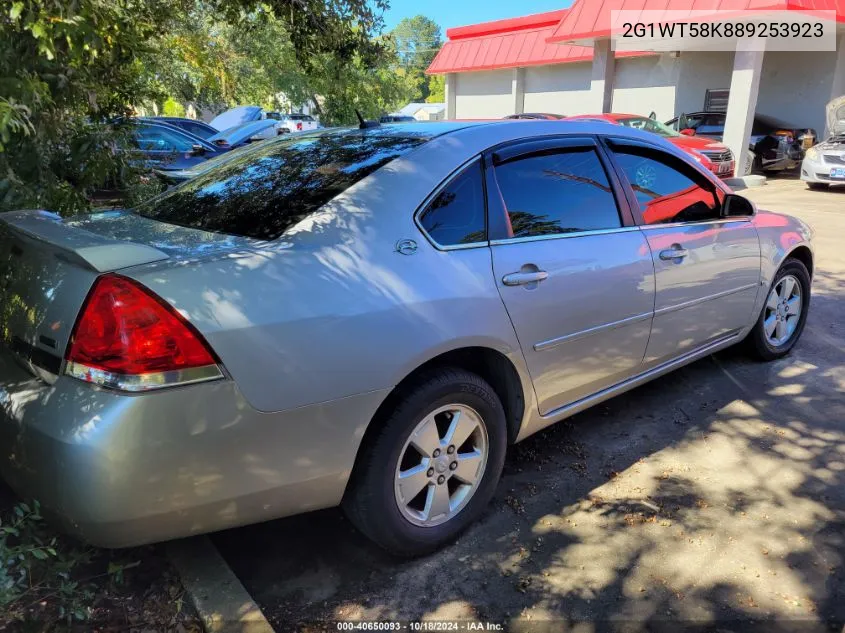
{"points": [[541, 127]]}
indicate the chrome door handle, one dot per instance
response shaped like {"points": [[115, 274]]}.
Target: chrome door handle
{"points": [[673, 253], [520, 279]]}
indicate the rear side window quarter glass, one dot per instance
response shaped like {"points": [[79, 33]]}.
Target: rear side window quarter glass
{"points": [[455, 216], [559, 192], [263, 192]]}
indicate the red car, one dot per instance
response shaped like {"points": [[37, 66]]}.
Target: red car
{"points": [[715, 156]]}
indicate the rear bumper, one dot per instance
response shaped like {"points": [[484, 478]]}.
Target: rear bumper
{"points": [[119, 470]]}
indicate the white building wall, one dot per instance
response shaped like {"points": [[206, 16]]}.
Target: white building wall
{"points": [[558, 89], [795, 87], [483, 94], [669, 85], [663, 84], [699, 72], [644, 85]]}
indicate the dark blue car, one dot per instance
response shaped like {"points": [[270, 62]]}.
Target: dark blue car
{"points": [[192, 126], [164, 147]]}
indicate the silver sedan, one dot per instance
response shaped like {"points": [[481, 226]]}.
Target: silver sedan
{"points": [[370, 318]]}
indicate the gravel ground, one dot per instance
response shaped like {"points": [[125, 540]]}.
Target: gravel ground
{"points": [[714, 495]]}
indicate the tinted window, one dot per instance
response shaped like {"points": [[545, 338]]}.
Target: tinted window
{"points": [[557, 193], [262, 192], [159, 139], [199, 130], [456, 215], [665, 189]]}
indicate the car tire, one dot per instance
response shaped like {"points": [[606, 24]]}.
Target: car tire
{"points": [[372, 499], [817, 186], [764, 342]]}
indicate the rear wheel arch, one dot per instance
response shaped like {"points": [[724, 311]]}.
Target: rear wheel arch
{"points": [[491, 365]]}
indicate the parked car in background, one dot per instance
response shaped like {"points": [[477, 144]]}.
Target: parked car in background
{"points": [[367, 317], [193, 126], [289, 123], [243, 133], [163, 147], [714, 156], [775, 146], [241, 115], [176, 176], [396, 118], [824, 164], [535, 115]]}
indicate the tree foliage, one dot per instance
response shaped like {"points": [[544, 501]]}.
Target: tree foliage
{"points": [[416, 41], [68, 70]]}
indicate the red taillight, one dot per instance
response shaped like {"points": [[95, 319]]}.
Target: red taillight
{"points": [[299, 126], [125, 329]]}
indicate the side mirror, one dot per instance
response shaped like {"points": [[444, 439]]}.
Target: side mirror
{"points": [[197, 149], [688, 131], [735, 206]]}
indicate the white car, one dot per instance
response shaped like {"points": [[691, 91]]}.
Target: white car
{"points": [[289, 123], [824, 164]]}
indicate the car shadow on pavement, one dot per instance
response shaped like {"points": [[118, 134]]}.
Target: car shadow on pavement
{"points": [[714, 494]]}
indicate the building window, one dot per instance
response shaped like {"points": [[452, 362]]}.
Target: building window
{"points": [[716, 100]]}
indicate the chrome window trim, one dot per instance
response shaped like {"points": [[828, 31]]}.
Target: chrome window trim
{"points": [[431, 196], [135, 383], [672, 225], [695, 302], [575, 336], [563, 236]]}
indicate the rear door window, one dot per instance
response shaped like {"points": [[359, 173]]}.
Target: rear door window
{"points": [[263, 192], [563, 191]]}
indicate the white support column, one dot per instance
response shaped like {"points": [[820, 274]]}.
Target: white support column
{"points": [[603, 76], [742, 102], [451, 96], [518, 90], [837, 87]]}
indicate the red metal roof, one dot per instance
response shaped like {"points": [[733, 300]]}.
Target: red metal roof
{"points": [[589, 20], [517, 42]]}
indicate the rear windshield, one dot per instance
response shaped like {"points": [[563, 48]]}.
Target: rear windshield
{"points": [[263, 192]]}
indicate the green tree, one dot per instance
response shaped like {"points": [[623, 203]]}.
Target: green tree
{"points": [[416, 41], [172, 107], [67, 69], [436, 89]]}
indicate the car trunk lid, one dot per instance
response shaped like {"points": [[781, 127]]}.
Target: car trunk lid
{"points": [[48, 265]]}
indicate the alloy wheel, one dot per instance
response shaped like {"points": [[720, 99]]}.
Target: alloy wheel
{"points": [[782, 311], [441, 465]]}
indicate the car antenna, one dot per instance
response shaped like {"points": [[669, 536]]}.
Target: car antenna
{"points": [[363, 124]]}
